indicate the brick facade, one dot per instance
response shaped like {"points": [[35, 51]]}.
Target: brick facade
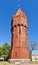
{"points": [[19, 36]]}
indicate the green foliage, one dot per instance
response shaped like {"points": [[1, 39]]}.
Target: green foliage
{"points": [[0, 51], [5, 63], [4, 50], [30, 56]]}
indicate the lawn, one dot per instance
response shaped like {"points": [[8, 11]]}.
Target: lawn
{"points": [[34, 62], [5, 63]]}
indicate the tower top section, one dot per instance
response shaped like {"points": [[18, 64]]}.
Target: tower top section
{"points": [[19, 18]]}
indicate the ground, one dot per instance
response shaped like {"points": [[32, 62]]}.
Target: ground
{"points": [[6, 63]]}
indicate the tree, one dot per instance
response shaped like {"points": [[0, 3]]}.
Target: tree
{"points": [[5, 50], [0, 51], [32, 46]]}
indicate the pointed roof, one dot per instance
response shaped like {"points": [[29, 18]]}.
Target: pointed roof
{"points": [[19, 12]]}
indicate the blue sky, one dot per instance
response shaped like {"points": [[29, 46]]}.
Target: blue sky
{"points": [[10, 7], [35, 52]]}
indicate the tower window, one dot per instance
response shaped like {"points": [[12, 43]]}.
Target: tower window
{"points": [[21, 24], [15, 26], [18, 24], [15, 54]]}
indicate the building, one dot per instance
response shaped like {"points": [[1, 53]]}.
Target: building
{"points": [[19, 38], [35, 55]]}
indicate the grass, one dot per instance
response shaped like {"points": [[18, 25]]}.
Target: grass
{"points": [[34, 62], [5, 63]]}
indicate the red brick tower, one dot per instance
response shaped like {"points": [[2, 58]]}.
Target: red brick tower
{"points": [[19, 36]]}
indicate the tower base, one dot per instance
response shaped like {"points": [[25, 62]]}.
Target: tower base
{"points": [[19, 61]]}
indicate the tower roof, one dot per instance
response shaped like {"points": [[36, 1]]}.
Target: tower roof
{"points": [[19, 12]]}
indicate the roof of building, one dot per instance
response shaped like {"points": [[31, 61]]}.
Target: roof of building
{"points": [[34, 54]]}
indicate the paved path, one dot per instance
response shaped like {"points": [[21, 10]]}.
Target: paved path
{"points": [[24, 64]]}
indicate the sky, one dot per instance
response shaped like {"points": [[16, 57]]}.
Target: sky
{"points": [[35, 52], [9, 8]]}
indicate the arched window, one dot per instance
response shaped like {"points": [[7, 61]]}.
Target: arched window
{"points": [[15, 26]]}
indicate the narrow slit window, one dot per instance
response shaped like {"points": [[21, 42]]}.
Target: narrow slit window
{"points": [[15, 54]]}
